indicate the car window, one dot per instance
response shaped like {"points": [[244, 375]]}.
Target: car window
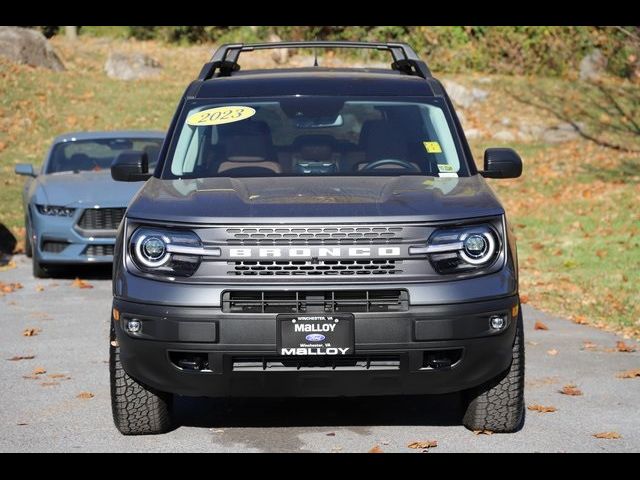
{"points": [[95, 155], [301, 136]]}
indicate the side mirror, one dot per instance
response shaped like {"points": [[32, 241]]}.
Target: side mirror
{"points": [[501, 163], [130, 166], [25, 169]]}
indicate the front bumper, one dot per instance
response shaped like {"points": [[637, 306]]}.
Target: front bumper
{"points": [[225, 340], [76, 248]]}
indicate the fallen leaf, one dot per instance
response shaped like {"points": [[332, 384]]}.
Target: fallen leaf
{"points": [[331, 434], [623, 347], [79, 283], [423, 445], [537, 246], [16, 358], [59, 375], [375, 449], [22, 424], [540, 326], [38, 371], [31, 332], [31, 377], [629, 373], [524, 298], [49, 384], [601, 253], [39, 288], [552, 352], [85, 395], [580, 319], [482, 432], [542, 408], [587, 345], [10, 287], [607, 435], [571, 389]]}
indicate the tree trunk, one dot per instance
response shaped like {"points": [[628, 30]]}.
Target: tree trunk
{"points": [[71, 32]]}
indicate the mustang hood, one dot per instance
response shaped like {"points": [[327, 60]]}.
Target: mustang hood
{"points": [[314, 199], [85, 188]]}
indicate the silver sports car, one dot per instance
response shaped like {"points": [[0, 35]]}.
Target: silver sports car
{"points": [[72, 206]]}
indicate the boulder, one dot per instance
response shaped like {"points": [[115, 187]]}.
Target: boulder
{"points": [[563, 132], [462, 96], [28, 47], [131, 66], [504, 136], [593, 65]]}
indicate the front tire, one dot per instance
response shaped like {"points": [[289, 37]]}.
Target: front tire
{"points": [[28, 248], [498, 405], [137, 409]]}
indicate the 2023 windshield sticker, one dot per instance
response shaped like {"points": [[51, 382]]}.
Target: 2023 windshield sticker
{"points": [[220, 116]]}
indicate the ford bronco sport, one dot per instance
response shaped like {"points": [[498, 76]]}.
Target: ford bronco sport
{"points": [[315, 232]]}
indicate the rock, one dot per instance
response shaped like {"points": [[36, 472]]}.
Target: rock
{"points": [[28, 47], [473, 133], [506, 121], [462, 96], [593, 65], [564, 132], [131, 66], [279, 55], [504, 136]]}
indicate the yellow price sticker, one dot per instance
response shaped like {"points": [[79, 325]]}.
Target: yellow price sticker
{"points": [[432, 147], [220, 116]]}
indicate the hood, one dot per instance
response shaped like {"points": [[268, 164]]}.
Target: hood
{"points": [[315, 199], [84, 188]]}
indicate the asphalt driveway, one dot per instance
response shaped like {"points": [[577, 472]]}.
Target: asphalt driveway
{"points": [[59, 400]]}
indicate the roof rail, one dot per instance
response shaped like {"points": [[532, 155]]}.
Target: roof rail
{"points": [[225, 59]]}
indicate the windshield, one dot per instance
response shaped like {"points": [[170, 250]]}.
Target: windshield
{"points": [[306, 136], [95, 155]]}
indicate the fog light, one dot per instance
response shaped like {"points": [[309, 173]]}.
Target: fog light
{"points": [[497, 322], [134, 325]]}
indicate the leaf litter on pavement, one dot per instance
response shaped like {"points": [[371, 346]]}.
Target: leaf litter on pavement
{"points": [[79, 283], [31, 331], [540, 326], [633, 373], [608, 435], [17, 358], [423, 445], [571, 390], [542, 408]]}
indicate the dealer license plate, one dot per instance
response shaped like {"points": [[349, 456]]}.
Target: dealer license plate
{"points": [[315, 334]]}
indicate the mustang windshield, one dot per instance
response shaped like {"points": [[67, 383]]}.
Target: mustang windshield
{"points": [[98, 154], [305, 136]]}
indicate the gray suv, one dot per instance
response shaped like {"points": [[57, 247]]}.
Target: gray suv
{"points": [[315, 232]]}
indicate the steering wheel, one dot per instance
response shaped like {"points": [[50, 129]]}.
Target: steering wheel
{"points": [[391, 161]]}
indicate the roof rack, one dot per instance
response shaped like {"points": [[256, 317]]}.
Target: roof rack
{"points": [[225, 58]]}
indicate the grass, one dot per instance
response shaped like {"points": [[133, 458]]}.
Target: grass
{"points": [[574, 211]]}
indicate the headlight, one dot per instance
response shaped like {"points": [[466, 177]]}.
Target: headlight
{"points": [[168, 252], [55, 211], [462, 249]]}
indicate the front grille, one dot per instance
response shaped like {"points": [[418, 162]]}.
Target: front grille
{"points": [[54, 246], [322, 267], [101, 219], [98, 250], [313, 235], [323, 301], [283, 363]]}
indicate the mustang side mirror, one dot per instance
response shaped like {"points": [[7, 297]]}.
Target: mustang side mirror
{"points": [[130, 166], [25, 169], [501, 163]]}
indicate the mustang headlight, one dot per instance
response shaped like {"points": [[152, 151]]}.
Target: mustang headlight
{"points": [[168, 252], [463, 249], [55, 211]]}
